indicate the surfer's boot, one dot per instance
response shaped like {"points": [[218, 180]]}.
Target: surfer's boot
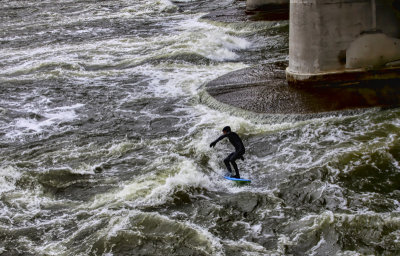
{"points": [[237, 176]]}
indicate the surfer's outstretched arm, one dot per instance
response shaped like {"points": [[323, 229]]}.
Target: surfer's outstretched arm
{"points": [[216, 141]]}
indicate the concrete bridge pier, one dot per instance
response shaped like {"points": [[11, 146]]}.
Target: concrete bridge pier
{"points": [[343, 41]]}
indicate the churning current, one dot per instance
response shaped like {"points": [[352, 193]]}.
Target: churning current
{"points": [[105, 141]]}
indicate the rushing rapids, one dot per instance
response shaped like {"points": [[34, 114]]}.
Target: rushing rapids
{"points": [[105, 132]]}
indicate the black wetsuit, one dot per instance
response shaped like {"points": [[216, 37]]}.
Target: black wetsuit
{"points": [[239, 151]]}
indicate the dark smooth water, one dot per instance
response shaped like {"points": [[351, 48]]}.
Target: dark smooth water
{"points": [[105, 143]]}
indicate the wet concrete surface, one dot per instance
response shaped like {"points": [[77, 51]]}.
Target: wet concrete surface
{"points": [[264, 89], [237, 13]]}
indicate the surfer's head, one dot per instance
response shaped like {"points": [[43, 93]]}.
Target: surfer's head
{"points": [[226, 129]]}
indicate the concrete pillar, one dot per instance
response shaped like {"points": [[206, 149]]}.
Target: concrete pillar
{"points": [[326, 37], [260, 5]]}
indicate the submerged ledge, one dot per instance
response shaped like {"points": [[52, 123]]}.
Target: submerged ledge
{"points": [[264, 89], [237, 13]]}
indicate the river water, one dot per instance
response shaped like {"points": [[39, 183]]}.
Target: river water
{"points": [[105, 142]]}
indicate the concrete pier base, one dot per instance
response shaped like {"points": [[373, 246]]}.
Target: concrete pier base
{"points": [[342, 77], [263, 89]]}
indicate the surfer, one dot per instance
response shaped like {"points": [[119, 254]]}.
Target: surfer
{"points": [[235, 140]]}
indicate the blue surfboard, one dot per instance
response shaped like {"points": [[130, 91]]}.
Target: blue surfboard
{"points": [[236, 179]]}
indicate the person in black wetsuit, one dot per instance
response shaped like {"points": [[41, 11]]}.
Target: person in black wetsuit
{"points": [[235, 140]]}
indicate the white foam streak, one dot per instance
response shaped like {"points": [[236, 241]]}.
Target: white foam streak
{"points": [[314, 249], [8, 178], [51, 118], [193, 37], [181, 80], [189, 176]]}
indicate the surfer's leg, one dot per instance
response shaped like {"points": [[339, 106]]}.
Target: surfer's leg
{"points": [[233, 158], [236, 169], [227, 160]]}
